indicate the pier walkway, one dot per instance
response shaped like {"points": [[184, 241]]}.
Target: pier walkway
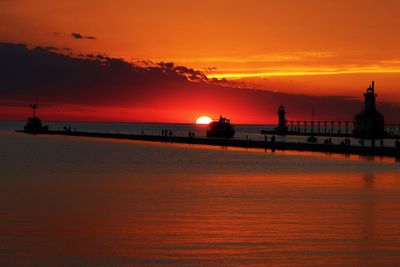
{"points": [[324, 148]]}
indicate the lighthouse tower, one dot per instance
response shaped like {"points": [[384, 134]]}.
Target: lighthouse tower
{"points": [[369, 122], [282, 127], [369, 98]]}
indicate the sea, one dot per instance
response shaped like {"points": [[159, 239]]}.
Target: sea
{"points": [[76, 201]]}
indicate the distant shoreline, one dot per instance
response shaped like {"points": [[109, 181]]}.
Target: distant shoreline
{"points": [[133, 122]]}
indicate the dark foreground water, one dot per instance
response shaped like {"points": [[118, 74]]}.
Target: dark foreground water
{"points": [[68, 201]]}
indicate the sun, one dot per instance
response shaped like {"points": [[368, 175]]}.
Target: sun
{"points": [[203, 120]]}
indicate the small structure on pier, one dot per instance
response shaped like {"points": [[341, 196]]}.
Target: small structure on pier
{"points": [[282, 126], [369, 123], [34, 124], [220, 129]]}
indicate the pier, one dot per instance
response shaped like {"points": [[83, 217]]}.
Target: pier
{"points": [[226, 142], [369, 123], [332, 128]]}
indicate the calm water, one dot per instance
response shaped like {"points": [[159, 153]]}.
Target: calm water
{"points": [[67, 201]]}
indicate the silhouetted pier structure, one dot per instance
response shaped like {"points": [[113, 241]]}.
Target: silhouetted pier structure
{"points": [[337, 128], [363, 127], [392, 130], [272, 144], [34, 124], [333, 128], [368, 124]]}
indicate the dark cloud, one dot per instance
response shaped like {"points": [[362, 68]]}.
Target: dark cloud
{"points": [[50, 48], [76, 35], [80, 36], [88, 79], [48, 76]]}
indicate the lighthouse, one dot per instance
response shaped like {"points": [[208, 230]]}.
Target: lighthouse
{"points": [[369, 122], [282, 127]]}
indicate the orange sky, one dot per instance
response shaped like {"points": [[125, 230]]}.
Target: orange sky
{"points": [[280, 45]]}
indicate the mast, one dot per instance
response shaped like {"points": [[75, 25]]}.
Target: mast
{"points": [[34, 107]]}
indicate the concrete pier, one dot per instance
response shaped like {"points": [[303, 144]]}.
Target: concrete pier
{"points": [[324, 148]]}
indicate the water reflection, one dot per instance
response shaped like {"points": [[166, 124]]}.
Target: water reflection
{"points": [[130, 203], [368, 218], [191, 219], [369, 180]]}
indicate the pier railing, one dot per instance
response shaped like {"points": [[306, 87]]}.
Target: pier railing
{"points": [[336, 128]]}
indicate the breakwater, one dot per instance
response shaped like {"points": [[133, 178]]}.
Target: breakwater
{"points": [[269, 145]]}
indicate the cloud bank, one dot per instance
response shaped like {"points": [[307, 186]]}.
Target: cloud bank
{"points": [[161, 91]]}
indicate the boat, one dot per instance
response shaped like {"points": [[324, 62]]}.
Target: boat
{"points": [[220, 129]]}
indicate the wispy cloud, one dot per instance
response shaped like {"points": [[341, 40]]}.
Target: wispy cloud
{"points": [[302, 63], [80, 36], [238, 73], [273, 57]]}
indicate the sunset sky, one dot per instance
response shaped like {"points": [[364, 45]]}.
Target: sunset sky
{"points": [[311, 47]]}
